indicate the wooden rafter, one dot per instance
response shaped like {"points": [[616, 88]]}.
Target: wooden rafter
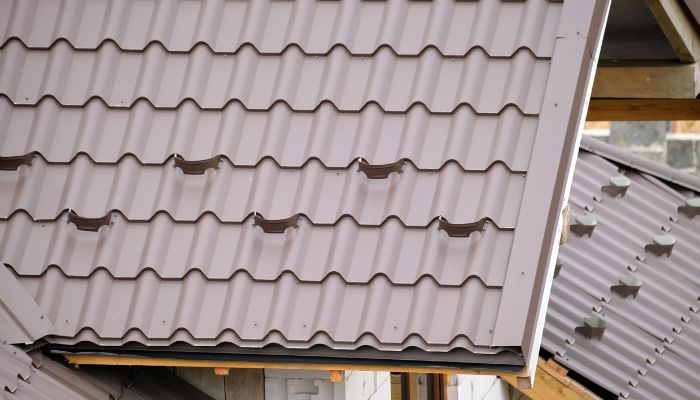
{"points": [[679, 26], [552, 382]]}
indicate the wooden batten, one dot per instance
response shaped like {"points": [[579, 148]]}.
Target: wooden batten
{"points": [[664, 81], [643, 109]]}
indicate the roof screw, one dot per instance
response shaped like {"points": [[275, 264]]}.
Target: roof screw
{"points": [[629, 286], [691, 207], [584, 224], [663, 244], [617, 186], [593, 328]]}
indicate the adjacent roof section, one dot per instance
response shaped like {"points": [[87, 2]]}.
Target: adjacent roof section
{"points": [[637, 271], [36, 377], [314, 176]]}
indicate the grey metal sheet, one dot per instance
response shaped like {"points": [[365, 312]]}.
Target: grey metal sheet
{"points": [[245, 137], [660, 323], [303, 81], [406, 27], [354, 253], [482, 113]]}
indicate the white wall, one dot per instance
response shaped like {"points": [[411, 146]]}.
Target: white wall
{"points": [[365, 385], [479, 387]]}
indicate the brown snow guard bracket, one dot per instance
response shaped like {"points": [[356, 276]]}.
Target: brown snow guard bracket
{"points": [[89, 224], [11, 163], [196, 167], [379, 171], [461, 230], [276, 225]]}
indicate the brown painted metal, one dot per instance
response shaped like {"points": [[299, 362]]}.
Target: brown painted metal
{"points": [[276, 225], [11, 163], [87, 223], [196, 167], [381, 171], [461, 230]]}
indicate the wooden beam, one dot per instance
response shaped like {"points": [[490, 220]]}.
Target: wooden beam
{"points": [[666, 81], [552, 382], [411, 387], [93, 359], [643, 110], [679, 26]]}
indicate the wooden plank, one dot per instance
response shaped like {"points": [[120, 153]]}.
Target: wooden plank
{"points": [[679, 26], [246, 384], [93, 359], [643, 110], [666, 81], [411, 387], [551, 384]]}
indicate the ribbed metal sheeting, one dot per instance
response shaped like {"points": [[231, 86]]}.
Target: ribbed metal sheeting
{"points": [[649, 347], [166, 146], [35, 377]]}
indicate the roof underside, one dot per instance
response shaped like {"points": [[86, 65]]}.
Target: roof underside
{"points": [[32, 376], [650, 344], [293, 108]]}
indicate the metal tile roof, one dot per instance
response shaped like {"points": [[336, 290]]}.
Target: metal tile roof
{"points": [[406, 28], [355, 253], [408, 171], [232, 193], [348, 81], [37, 378], [245, 137], [649, 345]]}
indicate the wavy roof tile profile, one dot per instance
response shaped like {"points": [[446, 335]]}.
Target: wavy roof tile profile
{"points": [[245, 137], [357, 254], [344, 180], [232, 193], [407, 28], [303, 81]]}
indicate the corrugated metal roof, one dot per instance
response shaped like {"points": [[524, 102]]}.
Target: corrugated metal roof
{"points": [[36, 378], [649, 347], [394, 144]]}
